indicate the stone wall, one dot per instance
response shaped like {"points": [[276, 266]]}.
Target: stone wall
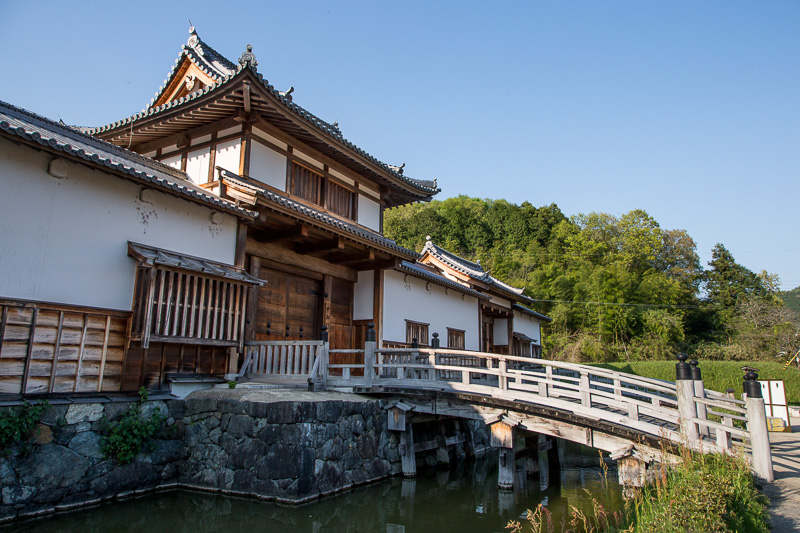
{"points": [[277, 445], [65, 467]]}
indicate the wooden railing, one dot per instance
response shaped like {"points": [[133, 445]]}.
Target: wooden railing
{"points": [[283, 359], [682, 412]]}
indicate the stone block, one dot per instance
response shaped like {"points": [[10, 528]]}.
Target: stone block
{"points": [[177, 408], [54, 415], [87, 444], [84, 412], [53, 466], [240, 426], [18, 494], [328, 411], [42, 434]]}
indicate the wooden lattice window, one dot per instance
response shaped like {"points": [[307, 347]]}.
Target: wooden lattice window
{"points": [[341, 200], [307, 184], [418, 331], [187, 300], [455, 339], [313, 187]]}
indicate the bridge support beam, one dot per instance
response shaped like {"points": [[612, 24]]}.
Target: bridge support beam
{"points": [[631, 469], [408, 460], [532, 458], [503, 438]]}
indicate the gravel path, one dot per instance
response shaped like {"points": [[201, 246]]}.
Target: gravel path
{"points": [[784, 493]]}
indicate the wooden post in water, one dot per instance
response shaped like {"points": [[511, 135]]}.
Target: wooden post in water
{"points": [[542, 451], [532, 459], [686, 408], [503, 438], [757, 426], [408, 460]]}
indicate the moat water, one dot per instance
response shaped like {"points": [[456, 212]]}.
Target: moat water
{"points": [[463, 498]]}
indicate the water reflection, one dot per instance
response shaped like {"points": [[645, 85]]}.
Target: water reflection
{"points": [[464, 498]]}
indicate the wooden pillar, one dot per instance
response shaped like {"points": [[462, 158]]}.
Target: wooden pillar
{"points": [[631, 469], [241, 244], [377, 305], [252, 301], [407, 458], [370, 347], [503, 438], [700, 392], [469, 442], [532, 457], [543, 446], [686, 410], [757, 426], [442, 455]]}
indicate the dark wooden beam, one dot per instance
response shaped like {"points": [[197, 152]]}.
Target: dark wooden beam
{"points": [[320, 248], [284, 255], [355, 258], [300, 231]]}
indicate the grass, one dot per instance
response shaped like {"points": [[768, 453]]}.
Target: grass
{"points": [[718, 375], [703, 494]]}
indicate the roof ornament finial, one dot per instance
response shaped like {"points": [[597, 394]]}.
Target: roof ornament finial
{"points": [[397, 169], [427, 238], [193, 38], [248, 58], [287, 94], [435, 185]]}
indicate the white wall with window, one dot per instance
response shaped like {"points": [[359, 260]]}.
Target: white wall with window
{"points": [[408, 298]]}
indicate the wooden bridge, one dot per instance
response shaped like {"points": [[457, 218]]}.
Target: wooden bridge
{"points": [[630, 416]]}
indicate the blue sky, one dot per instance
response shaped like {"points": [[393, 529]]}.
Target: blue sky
{"points": [[688, 110]]}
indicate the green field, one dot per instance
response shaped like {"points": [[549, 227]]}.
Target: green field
{"points": [[719, 375]]}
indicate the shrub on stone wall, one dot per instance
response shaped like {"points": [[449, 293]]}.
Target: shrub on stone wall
{"points": [[126, 436]]}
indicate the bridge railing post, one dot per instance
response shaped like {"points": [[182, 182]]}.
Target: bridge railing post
{"points": [[757, 426], [686, 408], [700, 392], [586, 392], [370, 347], [503, 379]]}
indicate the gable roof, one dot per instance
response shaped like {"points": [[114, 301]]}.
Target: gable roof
{"points": [[473, 271], [59, 138], [419, 271], [224, 98]]}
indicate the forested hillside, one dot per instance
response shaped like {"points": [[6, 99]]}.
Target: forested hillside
{"points": [[617, 288]]}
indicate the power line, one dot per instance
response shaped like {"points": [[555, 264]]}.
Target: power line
{"points": [[671, 306]]}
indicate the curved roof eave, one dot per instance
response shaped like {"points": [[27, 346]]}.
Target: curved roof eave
{"points": [[57, 137], [327, 132]]}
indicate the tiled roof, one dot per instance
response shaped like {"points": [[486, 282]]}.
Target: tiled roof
{"points": [[158, 256], [473, 270], [222, 71], [324, 218], [208, 60], [423, 273], [523, 309], [58, 137]]}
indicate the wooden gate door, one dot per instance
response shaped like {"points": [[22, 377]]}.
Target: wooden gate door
{"points": [[288, 307]]}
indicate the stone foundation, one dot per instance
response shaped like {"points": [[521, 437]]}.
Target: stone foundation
{"points": [[277, 445]]}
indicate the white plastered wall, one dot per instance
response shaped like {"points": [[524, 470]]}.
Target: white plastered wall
{"points": [[267, 166], [228, 155], [363, 293], [528, 325], [66, 240], [501, 331], [369, 213], [414, 299]]}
